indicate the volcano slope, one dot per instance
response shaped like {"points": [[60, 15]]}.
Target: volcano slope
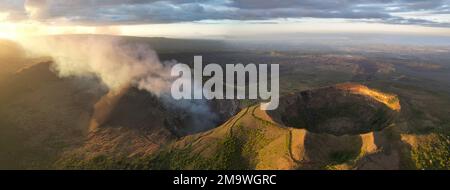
{"points": [[130, 124], [299, 135], [41, 115], [346, 126]]}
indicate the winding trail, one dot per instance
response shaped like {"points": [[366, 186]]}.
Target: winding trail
{"points": [[261, 119], [290, 149], [239, 118], [291, 155], [236, 120]]}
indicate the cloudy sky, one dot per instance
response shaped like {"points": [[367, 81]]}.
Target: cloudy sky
{"points": [[192, 18]]}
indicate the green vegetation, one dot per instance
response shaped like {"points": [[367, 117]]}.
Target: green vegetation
{"points": [[255, 141], [99, 162], [174, 159], [340, 157], [238, 150], [433, 154], [227, 156]]}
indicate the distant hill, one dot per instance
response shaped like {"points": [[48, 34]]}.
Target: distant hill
{"points": [[159, 44]]}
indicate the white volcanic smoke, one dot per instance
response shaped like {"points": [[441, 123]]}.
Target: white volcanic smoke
{"points": [[117, 64], [113, 61]]}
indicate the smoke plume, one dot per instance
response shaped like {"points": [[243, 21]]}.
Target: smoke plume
{"points": [[117, 64], [112, 60]]}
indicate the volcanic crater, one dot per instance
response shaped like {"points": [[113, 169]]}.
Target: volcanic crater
{"points": [[338, 110]]}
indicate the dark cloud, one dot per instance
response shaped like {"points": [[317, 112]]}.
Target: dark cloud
{"points": [[100, 12]]}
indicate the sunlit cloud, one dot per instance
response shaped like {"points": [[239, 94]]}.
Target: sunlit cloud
{"points": [[217, 18]]}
